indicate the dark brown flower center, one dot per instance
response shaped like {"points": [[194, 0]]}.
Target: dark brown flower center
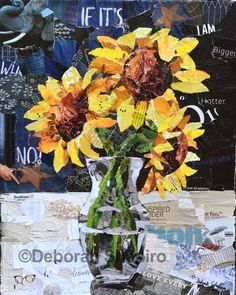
{"points": [[176, 157], [145, 75], [72, 117]]}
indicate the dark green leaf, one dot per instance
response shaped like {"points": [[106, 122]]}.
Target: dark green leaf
{"points": [[144, 147]]}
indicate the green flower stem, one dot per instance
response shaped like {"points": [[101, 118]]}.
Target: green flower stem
{"points": [[123, 205], [120, 202], [114, 221], [114, 178], [112, 259], [105, 188], [107, 143]]}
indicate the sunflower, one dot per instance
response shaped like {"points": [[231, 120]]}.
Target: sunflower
{"points": [[171, 148], [146, 67], [63, 121]]}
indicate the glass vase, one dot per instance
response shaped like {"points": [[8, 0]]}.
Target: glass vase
{"points": [[114, 230]]}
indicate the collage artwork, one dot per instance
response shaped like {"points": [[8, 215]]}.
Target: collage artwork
{"points": [[117, 147]]}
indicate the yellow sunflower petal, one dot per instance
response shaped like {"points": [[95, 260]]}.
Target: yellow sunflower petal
{"points": [[173, 109], [189, 87], [171, 121], [47, 95], [107, 42], [102, 104], [161, 105], [183, 122], [48, 134], [169, 95], [177, 118], [163, 123], [41, 124], [186, 45], [162, 33], [161, 190], [142, 32], [164, 147], [125, 113], [47, 147], [187, 170], [169, 135], [144, 42], [59, 160], [95, 140], [192, 76], [175, 65], [193, 126], [103, 123], [168, 185], [149, 164], [139, 114], [157, 164], [54, 86], [187, 62], [109, 53], [73, 151], [151, 113], [44, 105], [36, 112], [181, 177], [105, 65], [150, 183], [32, 115], [193, 133], [88, 77], [175, 181], [127, 40], [71, 80], [121, 92], [190, 157], [159, 139], [166, 47], [66, 157], [96, 87], [192, 143], [84, 145]]}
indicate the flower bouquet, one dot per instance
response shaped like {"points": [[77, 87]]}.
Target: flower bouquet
{"points": [[127, 92]]}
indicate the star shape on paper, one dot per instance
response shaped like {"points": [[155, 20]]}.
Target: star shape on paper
{"points": [[169, 15], [34, 175]]}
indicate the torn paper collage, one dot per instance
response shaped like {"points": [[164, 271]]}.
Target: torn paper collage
{"points": [[117, 147]]}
